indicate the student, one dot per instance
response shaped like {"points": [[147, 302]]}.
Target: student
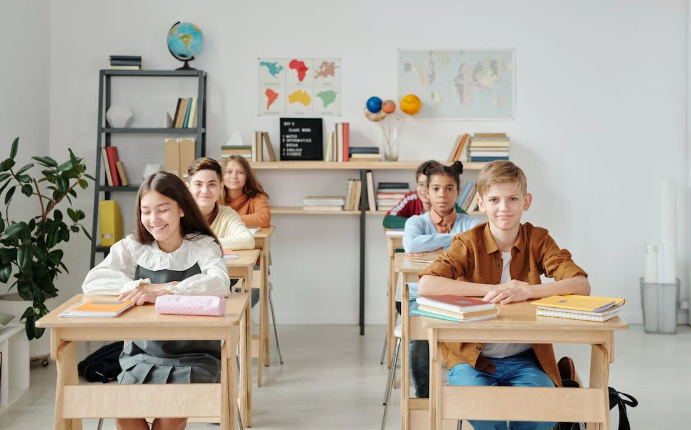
{"points": [[413, 203], [204, 181], [172, 252], [433, 231], [243, 192], [502, 261]]}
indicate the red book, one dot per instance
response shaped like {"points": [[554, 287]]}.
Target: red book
{"points": [[346, 141], [112, 162], [455, 303]]}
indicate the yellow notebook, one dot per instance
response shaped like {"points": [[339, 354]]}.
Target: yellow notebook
{"points": [[97, 309], [579, 303]]}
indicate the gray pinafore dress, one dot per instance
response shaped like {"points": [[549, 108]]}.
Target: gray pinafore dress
{"points": [[170, 362]]}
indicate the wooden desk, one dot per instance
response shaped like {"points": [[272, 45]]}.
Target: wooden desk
{"points": [[262, 242], [74, 402], [394, 240], [517, 323], [243, 268]]}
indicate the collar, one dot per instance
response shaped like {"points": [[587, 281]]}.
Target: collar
{"points": [[437, 219], [491, 245]]}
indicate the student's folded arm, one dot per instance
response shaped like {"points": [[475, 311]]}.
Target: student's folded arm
{"points": [[213, 281], [261, 217], [557, 263], [114, 275], [441, 276], [235, 235], [415, 240]]}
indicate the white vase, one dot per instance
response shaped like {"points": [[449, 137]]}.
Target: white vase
{"points": [[119, 116]]}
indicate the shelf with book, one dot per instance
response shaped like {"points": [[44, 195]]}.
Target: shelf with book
{"points": [[298, 210], [197, 134], [348, 165]]}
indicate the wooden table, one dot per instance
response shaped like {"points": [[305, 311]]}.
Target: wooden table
{"points": [[262, 242], [517, 323], [243, 268], [394, 241], [74, 402]]}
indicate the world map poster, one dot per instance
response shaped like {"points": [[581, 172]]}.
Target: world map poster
{"points": [[299, 86], [470, 84]]}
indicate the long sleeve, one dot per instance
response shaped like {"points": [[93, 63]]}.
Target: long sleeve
{"points": [[261, 214], [213, 281], [231, 231], [115, 274], [416, 239], [557, 262]]}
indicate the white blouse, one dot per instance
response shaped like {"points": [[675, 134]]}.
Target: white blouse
{"points": [[115, 274]]}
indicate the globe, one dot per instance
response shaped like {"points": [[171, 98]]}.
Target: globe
{"points": [[185, 40]]}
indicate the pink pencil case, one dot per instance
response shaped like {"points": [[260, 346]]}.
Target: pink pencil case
{"points": [[212, 306]]}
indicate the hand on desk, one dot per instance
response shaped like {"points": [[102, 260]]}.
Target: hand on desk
{"points": [[509, 292], [146, 293]]}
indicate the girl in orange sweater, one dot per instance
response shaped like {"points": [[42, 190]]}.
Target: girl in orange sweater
{"points": [[243, 192]]}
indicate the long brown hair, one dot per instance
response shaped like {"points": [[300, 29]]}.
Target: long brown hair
{"points": [[252, 186], [192, 225]]}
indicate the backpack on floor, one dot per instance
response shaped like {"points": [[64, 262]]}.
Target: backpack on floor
{"points": [[103, 365], [569, 378]]}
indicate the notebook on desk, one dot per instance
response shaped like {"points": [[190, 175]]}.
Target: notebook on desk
{"points": [[97, 309], [228, 254], [579, 303]]}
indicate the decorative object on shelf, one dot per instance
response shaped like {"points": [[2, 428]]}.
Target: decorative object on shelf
{"points": [[460, 84], [235, 139], [391, 125], [411, 104], [185, 40], [166, 121], [150, 169], [5, 319], [30, 246], [302, 139], [119, 116]]}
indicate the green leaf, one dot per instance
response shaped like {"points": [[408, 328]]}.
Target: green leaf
{"points": [[57, 214], [81, 214], [5, 272], [24, 179], [4, 176], [24, 257], [4, 186], [2, 225], [86, 232], [28, 311], [74, 229], [46, 161], [13, 151], [73, 158], [6, 165], [63, 184], [25, 289], [83, 184], [10, 193], [24, 169], [72, 214], [16, 230], [72, 193], [64, 167], [32, 224], [30, 326], [52, 238], [40, 256], [27, 190], [64, 234], [89, 176]]}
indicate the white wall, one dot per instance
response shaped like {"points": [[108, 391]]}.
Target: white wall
{"points": [[24, 70], [601, 118]]}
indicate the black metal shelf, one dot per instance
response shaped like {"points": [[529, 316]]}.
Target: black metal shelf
{"points": [[108, 188], [152, 130], [158, 73]]}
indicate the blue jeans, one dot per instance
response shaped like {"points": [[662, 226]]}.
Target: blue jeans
{"points": [[520, 370]]}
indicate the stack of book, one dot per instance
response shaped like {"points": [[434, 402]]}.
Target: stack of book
{"points": [[467, 200], [338, 143], [115, 173], [455, 308], [241, 150], [125, 62], [457, 148], [186, 113], [364, 153], [585, 308], [485, 147], [352, 195], [323, 203], [390, 193], [259, 139]]}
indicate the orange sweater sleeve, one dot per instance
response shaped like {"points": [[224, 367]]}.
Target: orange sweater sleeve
{"points": [[259, 214]]}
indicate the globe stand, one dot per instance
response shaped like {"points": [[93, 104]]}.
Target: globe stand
{"points": [[187, 65]]}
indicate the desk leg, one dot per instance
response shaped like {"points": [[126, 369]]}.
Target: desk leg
{"points": [[260, 336], [264, 302], [390, 341], [227, 382], [66, 363], [599, 378], [405, 359], [435, 412], [246, 359]]}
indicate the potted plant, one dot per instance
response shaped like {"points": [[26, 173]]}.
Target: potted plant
{"points": [[29, 257]]}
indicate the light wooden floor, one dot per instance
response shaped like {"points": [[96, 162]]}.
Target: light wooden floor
{"points": [[332, 379]]}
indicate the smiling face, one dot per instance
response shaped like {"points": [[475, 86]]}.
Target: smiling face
{"points": [[443, 193], [160, 216], [504, 204], [234, 177], [206, 190]]}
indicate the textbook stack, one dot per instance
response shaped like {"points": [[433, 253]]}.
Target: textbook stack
{"points": [[455, 308], [364, 153], [186, 113], [390, 193], [584, 308], [485, 147], [352, 195], [323, 203], [125, 62], [467, 200]]}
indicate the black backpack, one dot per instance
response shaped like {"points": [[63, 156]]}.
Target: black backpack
{"points": [[103, 365]]}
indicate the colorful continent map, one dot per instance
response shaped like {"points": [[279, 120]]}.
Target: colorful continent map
{"points": [[326, 69], [300, 68], [273, 67], [328, 97], [300, 96], [271, 97]]}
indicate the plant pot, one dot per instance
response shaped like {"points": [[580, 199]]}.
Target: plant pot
{"points": [[14, 305]]}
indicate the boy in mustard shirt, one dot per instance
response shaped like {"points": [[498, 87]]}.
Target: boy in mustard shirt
{"points": [[502, 261]]}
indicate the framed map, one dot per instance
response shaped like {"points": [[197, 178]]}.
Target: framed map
{"points": [[461, 84], [299, 86]]}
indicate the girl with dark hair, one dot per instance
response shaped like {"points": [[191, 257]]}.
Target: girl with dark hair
{"points": [[173, 251], [243, 192]]}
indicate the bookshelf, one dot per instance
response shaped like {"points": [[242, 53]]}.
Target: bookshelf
{"points": [[104, 133], [362, 167]]}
